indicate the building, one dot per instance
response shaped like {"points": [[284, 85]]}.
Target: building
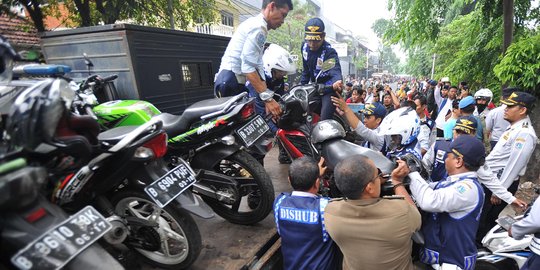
{"points": [[231, 14]]}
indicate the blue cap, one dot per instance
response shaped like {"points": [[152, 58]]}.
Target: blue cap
{"points": [[466, 102], [468, 147], [374, 108], [468, 124], [314, 29]]}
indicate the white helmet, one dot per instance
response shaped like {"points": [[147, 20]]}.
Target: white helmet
{"points": [[276, 57], [484, 93], [403, 122]]}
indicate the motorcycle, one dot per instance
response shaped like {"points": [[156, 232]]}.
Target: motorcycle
{"points": [[121, 173], [37, 234], [329, 139], [212, 135], [503, 251]]}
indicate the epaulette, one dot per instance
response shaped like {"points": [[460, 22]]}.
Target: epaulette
{"points": [[394, 197], [337, 199]]}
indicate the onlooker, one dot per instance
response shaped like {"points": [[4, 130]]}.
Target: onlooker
{"points": [[305, 243], [372, 232], [451, 122], [315, 51], [529, 225], [348, 90], [495, 123], [355, 97], [243, 57], [447, 95], [369, 130], [467, 108], [508, 160], [453, 207], [426, 136], [431, 103]]}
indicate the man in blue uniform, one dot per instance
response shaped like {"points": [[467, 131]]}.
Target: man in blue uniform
{"points": [[242, 60], [315, 50], [453, 207], [305, 243]]}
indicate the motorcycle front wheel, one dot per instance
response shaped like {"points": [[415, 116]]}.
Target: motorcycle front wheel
{"points": [[254, 191], [177, 233]]}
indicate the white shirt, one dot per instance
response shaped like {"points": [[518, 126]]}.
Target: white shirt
{"points": [[495, 123], [457, 200], [441, 117], [376, 140], [512, 152], [245, 50]]}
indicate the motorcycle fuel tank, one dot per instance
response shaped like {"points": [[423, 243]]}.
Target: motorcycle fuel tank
{"points": [[125, 113]]}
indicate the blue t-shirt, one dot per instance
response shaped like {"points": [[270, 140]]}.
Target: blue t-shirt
{"points": [[449, 128]]}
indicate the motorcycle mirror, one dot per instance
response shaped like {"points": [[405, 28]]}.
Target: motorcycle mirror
{"points": [[87, 61]]}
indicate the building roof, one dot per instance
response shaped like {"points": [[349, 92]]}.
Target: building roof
{"points": [[18, 31]]}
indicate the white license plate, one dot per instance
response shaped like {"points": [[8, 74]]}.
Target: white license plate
{"points": [[172, 184], [58, 246], [253, 130]]}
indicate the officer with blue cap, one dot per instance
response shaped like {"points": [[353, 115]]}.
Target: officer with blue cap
{"points": [[315, 51]]}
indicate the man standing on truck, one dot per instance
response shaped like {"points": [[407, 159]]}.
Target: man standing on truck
{"points": [[243, 57]]}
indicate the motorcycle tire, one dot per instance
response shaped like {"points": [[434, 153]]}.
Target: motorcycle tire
{"points": [[258, 201], [172, 220], [505, 264]]}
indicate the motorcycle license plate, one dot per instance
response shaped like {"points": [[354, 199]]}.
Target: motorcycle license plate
{"points": [[253, 130], [58, 246], [172, 184]]}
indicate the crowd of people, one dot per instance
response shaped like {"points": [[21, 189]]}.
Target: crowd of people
{"points": [[474, 152]]}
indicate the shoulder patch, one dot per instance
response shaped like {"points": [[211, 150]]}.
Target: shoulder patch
{"points": [[440, 155], [462, 187], [261, 39], [519, 145]]}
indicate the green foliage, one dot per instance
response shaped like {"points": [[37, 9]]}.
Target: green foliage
{"points": [[520, 65]]}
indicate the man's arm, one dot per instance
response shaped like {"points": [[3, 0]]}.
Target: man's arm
{"points": [[456, 197], [336, 79], [529, 224], [437, 95], [522, 149], [429, 158]]}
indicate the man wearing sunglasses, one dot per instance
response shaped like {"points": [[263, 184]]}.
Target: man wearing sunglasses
{"points": [[363, 219]]}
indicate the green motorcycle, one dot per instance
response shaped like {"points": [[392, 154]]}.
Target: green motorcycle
{"points": [[212, 135]]}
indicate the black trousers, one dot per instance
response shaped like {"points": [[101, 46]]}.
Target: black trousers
{"points": [[491, 212]]}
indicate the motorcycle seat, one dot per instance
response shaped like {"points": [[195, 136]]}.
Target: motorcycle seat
{"points": [[337, 150], [114, 135], [174, 125]]}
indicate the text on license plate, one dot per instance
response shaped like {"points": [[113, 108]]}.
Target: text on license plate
{"points": [[172, 184], [58, 246], [252, 131]]}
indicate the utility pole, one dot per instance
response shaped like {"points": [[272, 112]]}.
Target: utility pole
{"points": [[171, 18]]}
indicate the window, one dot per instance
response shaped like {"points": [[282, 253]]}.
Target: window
{"points": [[197, 74], [227, 18]]}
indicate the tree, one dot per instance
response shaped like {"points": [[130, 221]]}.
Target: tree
{"points": [[145, 12], [521, 64]]}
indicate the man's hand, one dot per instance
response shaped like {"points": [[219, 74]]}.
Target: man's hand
{"points": [[322, 167], [510, 231], [495, 200], [338, 86], [399, 173], [273, 108], [519, 204], [339, 102]]}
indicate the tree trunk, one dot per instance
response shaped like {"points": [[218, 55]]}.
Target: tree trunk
{"points": [[508, 23], [36, 13], [84, 11]]}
